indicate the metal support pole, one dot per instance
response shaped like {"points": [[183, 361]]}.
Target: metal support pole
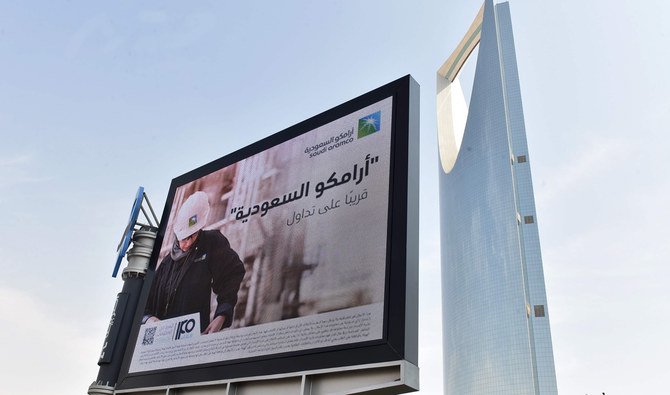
{"points": [[121, 322]]}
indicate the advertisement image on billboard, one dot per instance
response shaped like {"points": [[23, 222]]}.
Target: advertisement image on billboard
{"points": [[282, 252]]}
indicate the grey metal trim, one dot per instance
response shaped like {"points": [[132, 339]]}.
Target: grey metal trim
{"points": [[97, 389], [407, 381], [140, 253]]}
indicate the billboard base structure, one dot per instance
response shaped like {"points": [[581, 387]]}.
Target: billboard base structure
{"points": [[138, 257], [386, 378]]}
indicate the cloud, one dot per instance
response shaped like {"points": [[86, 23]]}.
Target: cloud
{"points": [[97, 32], [16, 160], [589, 161], [153, 17], [60, 347], [16, 170]]}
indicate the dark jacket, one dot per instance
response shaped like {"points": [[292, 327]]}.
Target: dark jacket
{"points": [[184, 286]]}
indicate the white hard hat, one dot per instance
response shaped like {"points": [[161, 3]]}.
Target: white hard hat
{"points": [[192, 215]]}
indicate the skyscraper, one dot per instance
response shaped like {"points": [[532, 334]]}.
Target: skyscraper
{"points": [[496, 320]]}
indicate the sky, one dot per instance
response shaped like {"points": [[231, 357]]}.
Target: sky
{"points": [[97, 99]]}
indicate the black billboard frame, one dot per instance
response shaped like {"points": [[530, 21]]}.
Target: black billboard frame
{"points": [[400, 327]]}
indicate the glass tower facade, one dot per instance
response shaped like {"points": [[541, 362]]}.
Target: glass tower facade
{"points": [[497, 338]]}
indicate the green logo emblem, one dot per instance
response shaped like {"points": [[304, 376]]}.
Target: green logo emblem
{"points": [[370, 124]]}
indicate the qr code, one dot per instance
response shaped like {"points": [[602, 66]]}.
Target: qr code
{"points": [[149, 336]]}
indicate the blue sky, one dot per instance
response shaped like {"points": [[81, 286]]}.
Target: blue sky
{"points": [[97, 99]]}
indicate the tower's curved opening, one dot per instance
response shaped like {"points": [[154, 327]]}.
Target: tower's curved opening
{"points": [[452, 100]]}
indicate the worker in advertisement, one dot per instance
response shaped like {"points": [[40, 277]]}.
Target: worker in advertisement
{"points": [[200, 263]]}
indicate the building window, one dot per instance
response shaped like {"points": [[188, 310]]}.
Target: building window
{"points": [[539, 310], [528, 219], [521, 159]]}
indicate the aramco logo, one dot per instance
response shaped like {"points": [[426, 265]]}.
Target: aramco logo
{"points": [[369, 124]]}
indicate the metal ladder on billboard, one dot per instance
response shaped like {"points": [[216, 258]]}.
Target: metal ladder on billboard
{"points": [[143, 236]]}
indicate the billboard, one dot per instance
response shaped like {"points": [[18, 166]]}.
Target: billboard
{"points": [[289, 254]]}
